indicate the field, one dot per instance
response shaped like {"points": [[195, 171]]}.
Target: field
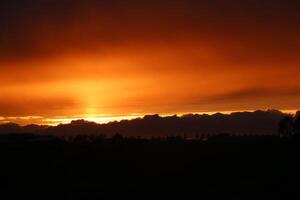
{"points": [[226, 167]]}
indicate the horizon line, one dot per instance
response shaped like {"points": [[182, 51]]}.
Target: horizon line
{"points": [[104, 119]]}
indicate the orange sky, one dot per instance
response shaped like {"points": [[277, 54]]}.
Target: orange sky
{"points": [[90, 59]]}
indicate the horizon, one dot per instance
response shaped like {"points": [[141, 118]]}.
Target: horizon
{"points": [[38, 120]]}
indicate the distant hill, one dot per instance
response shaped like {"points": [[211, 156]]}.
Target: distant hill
{"points": [[190, 125]]}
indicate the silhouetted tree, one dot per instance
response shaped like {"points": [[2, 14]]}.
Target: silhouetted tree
{"points": [[297, 124], [286, 126], [117, 137]]}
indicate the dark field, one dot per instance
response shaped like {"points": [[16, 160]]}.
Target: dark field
{"points": [[35, 167]]}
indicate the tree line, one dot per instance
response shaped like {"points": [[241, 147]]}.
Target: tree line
{"points": [[289, 125]]}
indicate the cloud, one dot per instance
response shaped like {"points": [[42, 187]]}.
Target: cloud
{"points": [[121, 57], [34, 107], [250, 93], [248, 29]]}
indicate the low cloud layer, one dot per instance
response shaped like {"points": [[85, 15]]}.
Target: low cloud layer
{"points": [[252, 123]]}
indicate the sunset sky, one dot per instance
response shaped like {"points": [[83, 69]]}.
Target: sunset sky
{"points": [[115, 59]]}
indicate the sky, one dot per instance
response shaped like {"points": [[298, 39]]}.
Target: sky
{"points": [[116, 59]]}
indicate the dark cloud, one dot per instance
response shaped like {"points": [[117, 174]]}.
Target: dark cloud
{"points": [[251, 93], [258, 122]]}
